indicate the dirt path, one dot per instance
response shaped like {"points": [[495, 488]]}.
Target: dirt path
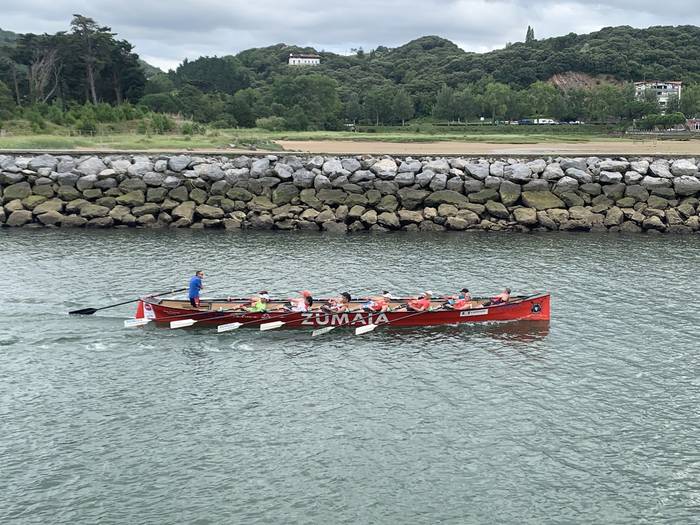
{"points": [[648, 147]]}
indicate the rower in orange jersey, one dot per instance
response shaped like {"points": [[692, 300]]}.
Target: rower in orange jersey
{"points": [[421, 304]]}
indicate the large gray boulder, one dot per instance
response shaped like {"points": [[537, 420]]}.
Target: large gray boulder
{"points": [[619, 166], [91, 166], [445, 196], [438, 182], [405, 178], [179, 162], [566, 183], [303, 178], [209, 172], [351, 165], [283, 171], [640, 166], [332, 167], [479, 171], [660, 168], [140, 168], [520, 173], [683, 167], [361, 176], [580, 175], [413, 166], [424, 177], [385, 169], [577, 163], [438, 166], [541, 200], [21, 190], [259, 168], [685, 185], [537, 166], [553, 172], [610, 177], [43, 161], [655, 182]]}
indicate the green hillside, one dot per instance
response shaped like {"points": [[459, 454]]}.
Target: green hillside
{"points": [[427, 79]]}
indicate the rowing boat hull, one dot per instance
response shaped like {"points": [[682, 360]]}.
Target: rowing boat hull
{"points": [[531, 308]]}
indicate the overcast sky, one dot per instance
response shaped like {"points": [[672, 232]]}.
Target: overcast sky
{"points": [[166, 31]]}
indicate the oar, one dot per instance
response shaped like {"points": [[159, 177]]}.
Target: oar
{"points": [[90, 311], [327, 329], [276, 324], [371, 326], [235, 326]]}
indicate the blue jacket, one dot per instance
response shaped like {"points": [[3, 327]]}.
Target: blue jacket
{"points": [[195, 286]]}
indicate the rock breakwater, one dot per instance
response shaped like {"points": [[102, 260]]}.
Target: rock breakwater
{"points": [[350, 194]]}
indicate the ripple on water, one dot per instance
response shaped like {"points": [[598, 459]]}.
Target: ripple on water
{"points": [[591, 417]]}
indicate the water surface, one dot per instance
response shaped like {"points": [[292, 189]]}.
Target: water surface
{"points": [[591, 418]]}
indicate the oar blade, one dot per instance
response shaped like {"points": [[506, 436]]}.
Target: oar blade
{"points": [[322, 331], [271, 326], [182, 323], [132, 323], [228, 327], [84, 311], [365, 329]]}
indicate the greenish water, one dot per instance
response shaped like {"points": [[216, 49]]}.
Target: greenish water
{"points": [[590, 419]]}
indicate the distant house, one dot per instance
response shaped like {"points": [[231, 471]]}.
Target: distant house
{"points": [[662, 90], [304, 59], [693, 124]]}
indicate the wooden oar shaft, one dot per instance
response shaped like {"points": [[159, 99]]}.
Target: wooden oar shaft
{"points": [[90, 311]]}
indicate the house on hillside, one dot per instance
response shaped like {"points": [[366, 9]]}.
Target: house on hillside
{"points": [[304, 59], [662, 90], [693, 124]]}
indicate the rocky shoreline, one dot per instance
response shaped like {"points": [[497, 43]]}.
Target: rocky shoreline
{"points": [[351, 194]]}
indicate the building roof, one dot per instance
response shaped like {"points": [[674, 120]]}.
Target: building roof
{"points": [[657, 82], [303, 55]]}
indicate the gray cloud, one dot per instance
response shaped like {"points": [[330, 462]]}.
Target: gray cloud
{"points": [[165, 32]]}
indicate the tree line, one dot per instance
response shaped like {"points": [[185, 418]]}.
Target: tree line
{"points": [[428, 78], [85, 64]]}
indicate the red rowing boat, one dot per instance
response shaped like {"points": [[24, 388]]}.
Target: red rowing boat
{"points": [[224, 312]]}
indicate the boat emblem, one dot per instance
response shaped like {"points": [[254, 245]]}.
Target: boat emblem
{"points": [[470, 313], [148, 311], [536, 308]]}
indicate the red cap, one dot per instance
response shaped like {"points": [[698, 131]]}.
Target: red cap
{"points": [[305, 293]]}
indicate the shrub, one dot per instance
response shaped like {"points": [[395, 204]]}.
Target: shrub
{"points": [[87, 126], [161, 123], [271, 123], [192, 128]]}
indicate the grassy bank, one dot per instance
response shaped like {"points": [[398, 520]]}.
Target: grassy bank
{"points": [[260, 139]]}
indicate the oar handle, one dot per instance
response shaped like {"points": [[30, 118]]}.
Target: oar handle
{"points": [[159, 294]]}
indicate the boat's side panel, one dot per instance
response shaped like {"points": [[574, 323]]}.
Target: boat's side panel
{"points": [[535, 308]]}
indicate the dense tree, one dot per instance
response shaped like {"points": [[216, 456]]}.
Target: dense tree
{"points": [[402, 107], [529, 35], [92, 43], [7, 102], [353, 108], [496, 98], [445, 107]]}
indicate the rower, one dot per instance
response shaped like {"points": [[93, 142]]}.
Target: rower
{"points": [[195, 287], [302, 304], [502, 297], [376, 304], [338, 305], [260, 303], [461, 301], [421, 304]]}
